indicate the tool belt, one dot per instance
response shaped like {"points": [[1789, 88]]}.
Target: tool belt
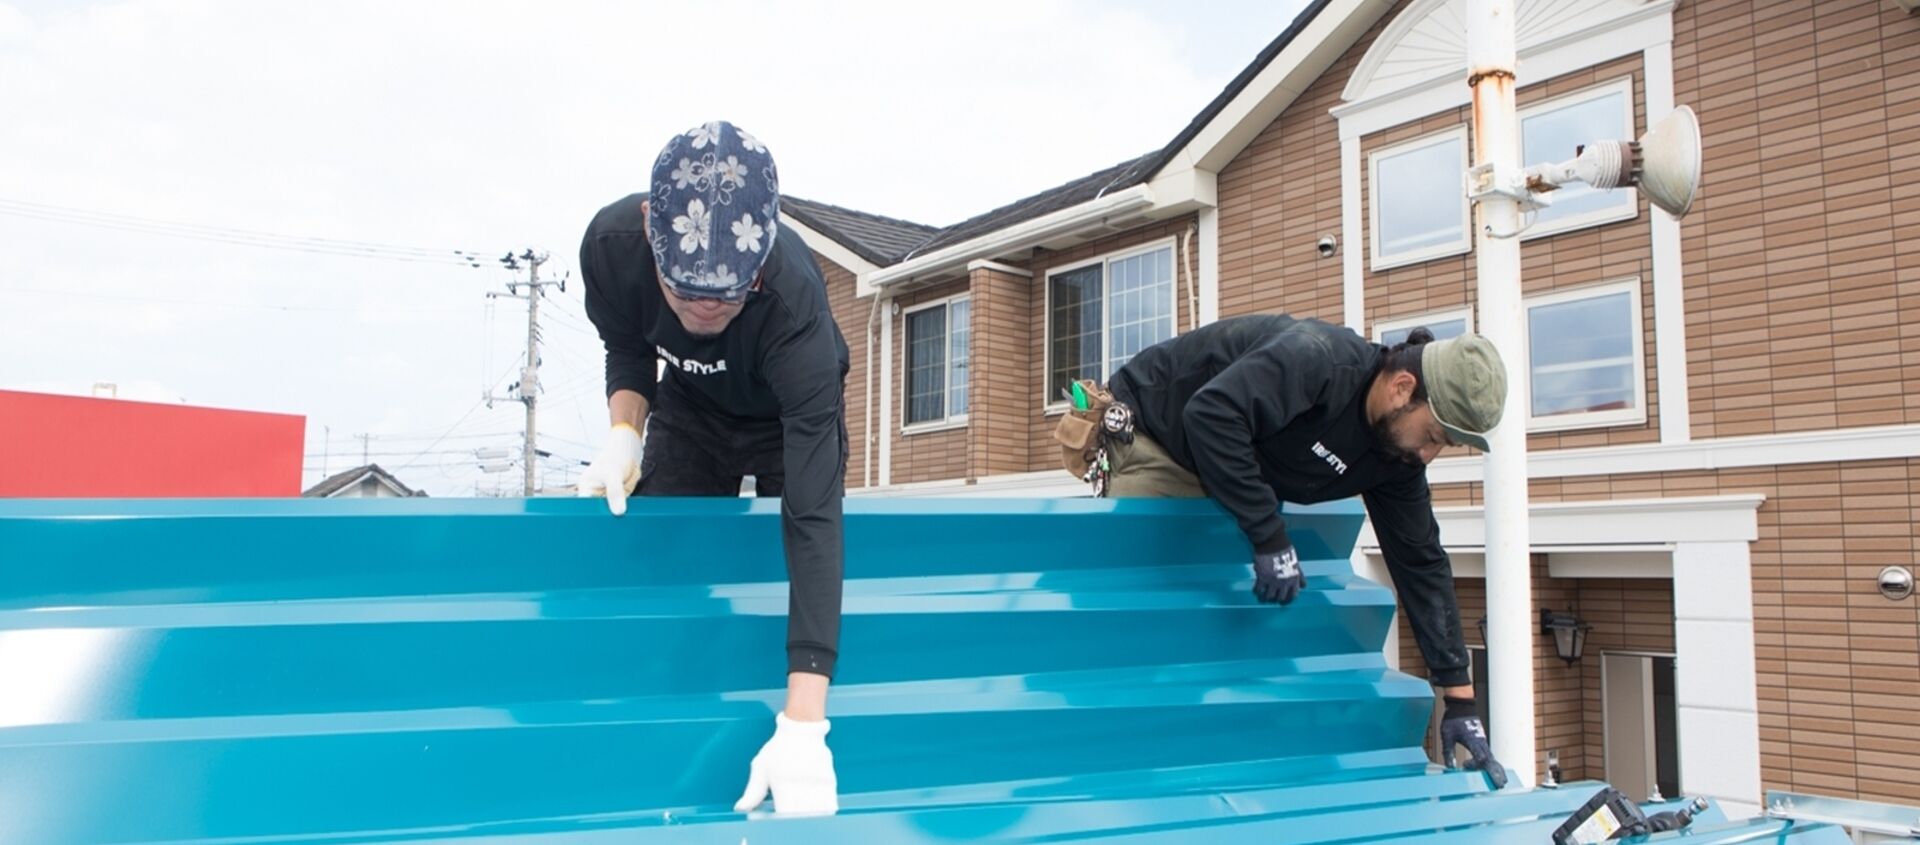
{"points": [[1084, 433]]}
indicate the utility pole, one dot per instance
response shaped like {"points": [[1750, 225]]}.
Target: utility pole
{"points": [[364, 439], [527, 390]]}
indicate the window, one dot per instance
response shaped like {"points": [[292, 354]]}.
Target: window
{"points": [[1553, 131], [939, 346], [1419, 200], [1443, 324], [1584, 358], [1100, 314]]}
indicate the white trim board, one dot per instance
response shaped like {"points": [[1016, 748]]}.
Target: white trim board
{"points": [[1649, 562], [1353, 247], [887, 388], [1669, 298], [1009, 269], [1209, 246], [1048, 484], [1814, 447], [1607, 524]]}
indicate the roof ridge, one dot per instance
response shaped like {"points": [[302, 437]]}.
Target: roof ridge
{"points": [[868, 214]]}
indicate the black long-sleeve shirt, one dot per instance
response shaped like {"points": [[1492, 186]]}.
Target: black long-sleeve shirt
{"points": [[1268, 408], [782, 359]]}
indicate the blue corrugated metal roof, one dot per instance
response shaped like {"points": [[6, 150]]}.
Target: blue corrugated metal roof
{"points": [[536, 671]]}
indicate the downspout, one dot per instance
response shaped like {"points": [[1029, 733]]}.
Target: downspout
{"points": [[1193, 289], [866, 447]]}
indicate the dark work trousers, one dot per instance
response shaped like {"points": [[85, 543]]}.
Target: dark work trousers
{"points": [[691, 453]]}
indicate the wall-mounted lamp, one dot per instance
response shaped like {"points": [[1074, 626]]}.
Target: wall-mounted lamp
{"points": [[1569, 634]]}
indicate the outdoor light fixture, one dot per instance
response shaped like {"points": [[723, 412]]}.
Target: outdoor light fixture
{"points": [[1569, 634], [1664, 164]]}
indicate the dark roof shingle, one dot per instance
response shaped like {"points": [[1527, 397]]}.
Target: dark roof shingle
{"points": [[884, 240], [881, 240], [1053, 199]]}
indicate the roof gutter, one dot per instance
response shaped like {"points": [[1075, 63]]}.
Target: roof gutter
{"points": [[1019, 236]]}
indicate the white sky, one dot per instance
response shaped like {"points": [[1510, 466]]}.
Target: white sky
{"points": [[499, 126]]}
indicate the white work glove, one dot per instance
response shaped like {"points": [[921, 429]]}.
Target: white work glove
{"points": [[797, 766], [617, 469]]}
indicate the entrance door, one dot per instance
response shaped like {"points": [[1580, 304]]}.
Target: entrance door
{"points": [[1639, 715]]}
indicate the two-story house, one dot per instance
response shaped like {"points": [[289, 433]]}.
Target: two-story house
{"points": [[1724, 454]]}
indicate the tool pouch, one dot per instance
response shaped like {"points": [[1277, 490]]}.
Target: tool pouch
{"points": [[1084, 434]]}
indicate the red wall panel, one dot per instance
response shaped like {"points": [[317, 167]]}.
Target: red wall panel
{"points": [[72, 446]]}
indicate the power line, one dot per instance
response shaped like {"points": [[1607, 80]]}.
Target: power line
{"points": [[475, 436], [240, 237], [403, 453], [220, 304], [456, 424]]}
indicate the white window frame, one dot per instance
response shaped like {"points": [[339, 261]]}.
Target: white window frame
{"points": [[1381, 327], [1054, 404], [1462, 246], [1637, 415], [951, 420], [1630, 210]]}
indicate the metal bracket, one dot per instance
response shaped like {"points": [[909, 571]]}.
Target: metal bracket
{"points": [[1484, 182], [1862, 818]]}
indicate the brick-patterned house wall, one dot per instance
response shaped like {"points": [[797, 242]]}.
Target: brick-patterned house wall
{"points": [[1838, 665], [1278, 196], [850, 313], [928, 455], [1802, 277], [1001, 376]]}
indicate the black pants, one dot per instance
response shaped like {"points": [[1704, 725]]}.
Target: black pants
{"points": [[693, 454]]}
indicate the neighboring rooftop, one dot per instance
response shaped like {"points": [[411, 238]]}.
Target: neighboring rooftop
{"points": [[342, 483]]}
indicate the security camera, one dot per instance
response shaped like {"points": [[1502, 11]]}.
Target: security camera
{"points": [[1896, 582], [1328, 246]]}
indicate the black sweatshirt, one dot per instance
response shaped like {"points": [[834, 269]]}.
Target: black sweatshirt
{"points": [[1268, 408], [782, 359]]}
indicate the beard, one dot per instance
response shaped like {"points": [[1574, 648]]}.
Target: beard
{"points": [[1385, 441]]}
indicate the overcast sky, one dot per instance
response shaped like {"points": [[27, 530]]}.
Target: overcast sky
{"points": [[496, 126]]}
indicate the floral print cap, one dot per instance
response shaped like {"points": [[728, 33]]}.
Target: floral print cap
{"points": [[714, 208]]}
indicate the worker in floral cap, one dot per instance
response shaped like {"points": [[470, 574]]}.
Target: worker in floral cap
{"points": [[721, 348]]}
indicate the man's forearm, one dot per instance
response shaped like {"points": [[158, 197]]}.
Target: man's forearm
{"points": [[627, 406], [806, 696]]}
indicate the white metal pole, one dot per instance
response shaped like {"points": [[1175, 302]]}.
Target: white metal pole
{"points": [[1496, 140]]}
